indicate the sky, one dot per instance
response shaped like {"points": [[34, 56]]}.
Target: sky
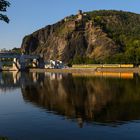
{"points": [[27, 16]]}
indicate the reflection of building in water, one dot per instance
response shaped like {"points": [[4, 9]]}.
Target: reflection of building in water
{"points": [[55, 76], [35, 76], [16, 76]]}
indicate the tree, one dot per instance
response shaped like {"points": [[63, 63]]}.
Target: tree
{"points": [[3, 8], [16, 50]]}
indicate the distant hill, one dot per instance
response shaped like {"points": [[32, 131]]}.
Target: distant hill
{"points": [[104, 36]]}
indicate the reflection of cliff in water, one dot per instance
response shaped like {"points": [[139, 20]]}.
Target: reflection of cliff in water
{"points": [[104, 100]]}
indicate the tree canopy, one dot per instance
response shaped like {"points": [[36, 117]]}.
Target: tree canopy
{"points": [[3, 8]]}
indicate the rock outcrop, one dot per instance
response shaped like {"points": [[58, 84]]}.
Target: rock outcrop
{"points": [[89, 37]]}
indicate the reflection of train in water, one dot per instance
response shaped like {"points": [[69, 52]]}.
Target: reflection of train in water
{"points": [[128, 75]]}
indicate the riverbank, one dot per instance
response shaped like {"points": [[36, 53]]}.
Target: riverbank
{"points": [[83, 70], [67, 70], [88, 70]]}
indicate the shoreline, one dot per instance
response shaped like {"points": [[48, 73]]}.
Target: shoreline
{"points": [[88, 70], [82, 70], [68, 70]]}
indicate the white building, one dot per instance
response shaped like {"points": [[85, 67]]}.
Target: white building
{"points": [[54, 64]]}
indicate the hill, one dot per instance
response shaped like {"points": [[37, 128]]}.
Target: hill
{"points": [[105, 36]]}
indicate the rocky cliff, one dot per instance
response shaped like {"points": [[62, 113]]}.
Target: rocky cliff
{"points": [[92, 37]]}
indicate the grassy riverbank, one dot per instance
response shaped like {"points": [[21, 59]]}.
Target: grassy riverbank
{"points": [[88, 70]]}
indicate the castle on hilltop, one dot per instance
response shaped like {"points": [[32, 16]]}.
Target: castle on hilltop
{"points": [[73, 21], [80, 16]]}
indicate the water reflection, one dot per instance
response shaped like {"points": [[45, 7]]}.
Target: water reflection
{"points": [[83, 98], [3, 138]]}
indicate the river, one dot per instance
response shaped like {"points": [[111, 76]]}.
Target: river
{"points": [[50, 106]]}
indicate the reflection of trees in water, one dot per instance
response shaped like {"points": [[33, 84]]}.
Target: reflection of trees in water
{"points": [[125, 105], [87, 99]]}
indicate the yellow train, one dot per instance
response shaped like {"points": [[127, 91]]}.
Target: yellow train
{"points": [[104, 66]]}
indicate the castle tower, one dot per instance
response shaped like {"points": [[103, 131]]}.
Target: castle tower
{"points": [[80, 15], [80, 12]]}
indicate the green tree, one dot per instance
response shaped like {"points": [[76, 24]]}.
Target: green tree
{"points": [[16, 50], [133, 53], [3, 8]]}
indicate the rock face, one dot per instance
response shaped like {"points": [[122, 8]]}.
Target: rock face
{"points": [[75, 38]]}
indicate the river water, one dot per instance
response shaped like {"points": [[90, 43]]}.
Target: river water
{"points": [[49, 106]]}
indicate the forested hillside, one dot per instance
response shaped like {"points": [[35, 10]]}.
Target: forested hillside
{"points": [[91, 37]]}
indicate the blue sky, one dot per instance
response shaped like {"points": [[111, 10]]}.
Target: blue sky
{"points": [[26, 16]]}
